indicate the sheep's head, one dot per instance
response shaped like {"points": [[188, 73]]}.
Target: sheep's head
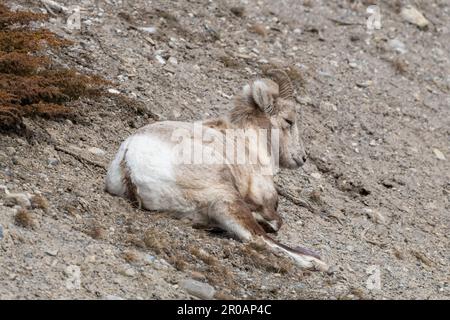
{"points": [[272, 106]]}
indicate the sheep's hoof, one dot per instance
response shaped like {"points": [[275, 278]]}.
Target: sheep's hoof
{"points": [[310, 263], [319, 265]]}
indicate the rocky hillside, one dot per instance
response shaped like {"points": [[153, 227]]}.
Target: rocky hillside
{"points": [[375, 121]]}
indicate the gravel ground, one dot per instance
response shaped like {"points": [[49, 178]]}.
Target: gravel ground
{"points": [[375, 121]]}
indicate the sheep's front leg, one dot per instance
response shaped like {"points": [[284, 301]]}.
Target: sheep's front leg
{"points": [[236, 218]]}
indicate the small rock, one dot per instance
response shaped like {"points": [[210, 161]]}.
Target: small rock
{"points": [[173, 61], [97, 151], [51, 252], [148, 29], [130, 272], [199, 289], [316, 175], [364, 84], [438, 153], [160, 59], [169, 69], [90, 259], [16, 160], [8, 172], [10, 150], [20, 199], [149, 258], [355, 37], [414, 16], [305, 100], [172, 44], [113, 91], [375, 216], [21, 142], [53, 161], [1, 232], [353, 65], [397, 45], [3, 189]]}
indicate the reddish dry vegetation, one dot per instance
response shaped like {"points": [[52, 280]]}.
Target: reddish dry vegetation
{"points": [[30, 84]]}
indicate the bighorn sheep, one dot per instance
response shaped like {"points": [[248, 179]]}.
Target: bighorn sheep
{"points": [[238, 198]]}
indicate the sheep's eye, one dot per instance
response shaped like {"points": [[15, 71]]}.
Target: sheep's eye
{"points": [[289, 122]]}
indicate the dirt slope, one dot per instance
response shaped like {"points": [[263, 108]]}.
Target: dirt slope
{"points": [[375, 120]]}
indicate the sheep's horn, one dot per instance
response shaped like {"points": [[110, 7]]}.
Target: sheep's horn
{"points": [[284, 83]]}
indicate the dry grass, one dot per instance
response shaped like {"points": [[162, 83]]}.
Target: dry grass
{"points": [[394, 5], [229, 62], [422, 257], [131, 256], [38, 201], [29, 84], [398, 253], [400, 65], [135, 241], [25, 219], [186, 257], [316, 196], [156, 242], [358, 292], [308, 3], [218, 270], [21, 64], [258, 28], [296, 76], [27, 40], [266, 261], [204, 256], [171, 22], [178, 262], [8, 18], [219, 275], [166, 15], [96, 232]]}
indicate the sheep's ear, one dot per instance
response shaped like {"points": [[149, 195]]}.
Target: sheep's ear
{"points": [[263, 93]]}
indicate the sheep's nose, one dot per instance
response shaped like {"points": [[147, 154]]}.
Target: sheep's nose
{"points": [[301, 158]]}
